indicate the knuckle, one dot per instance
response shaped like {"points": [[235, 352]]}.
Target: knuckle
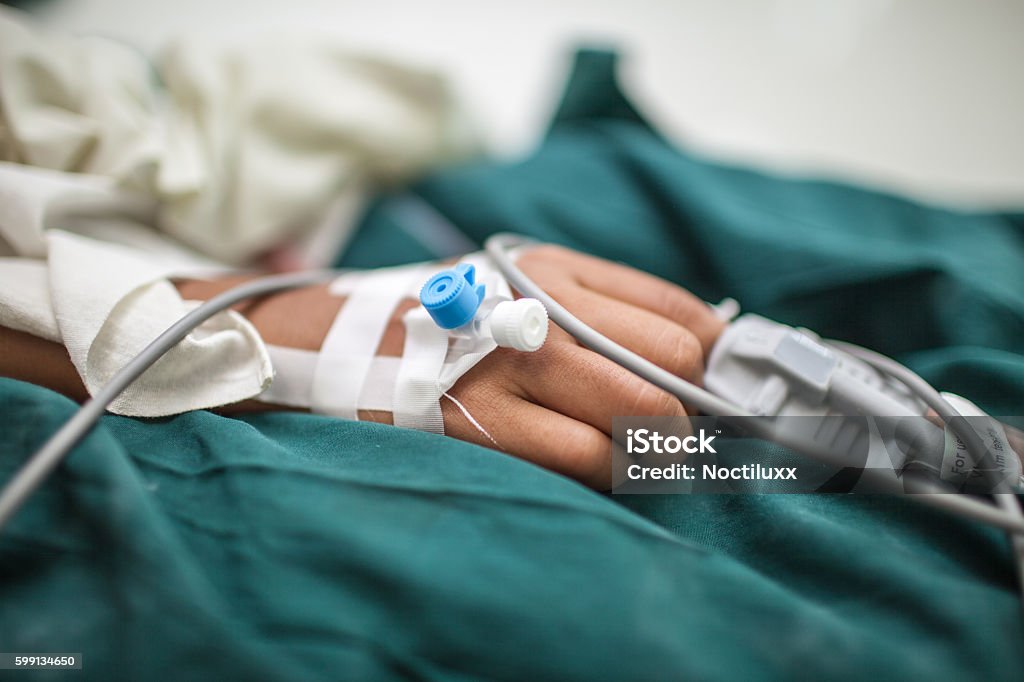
{"points": [[530, 372], [549, 358], [680, 351], [652, 401], [674, 305], [667, 404], [691, 355], [560, 289], [588, 460]]}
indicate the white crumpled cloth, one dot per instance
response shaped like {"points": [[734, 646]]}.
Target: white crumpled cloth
{"points": [[116, 174]]}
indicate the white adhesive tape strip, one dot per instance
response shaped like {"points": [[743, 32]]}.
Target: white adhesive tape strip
{"points": [[293, 380], [417, 395], [293, 376], [379, 389], [346, 376], [416, 275], [351, 343], [347, 283]]}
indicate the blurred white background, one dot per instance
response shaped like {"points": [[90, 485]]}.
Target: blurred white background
{"points": [[920, 96]]}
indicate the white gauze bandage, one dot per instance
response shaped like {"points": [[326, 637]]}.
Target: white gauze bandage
{"points": [[347, 376]]}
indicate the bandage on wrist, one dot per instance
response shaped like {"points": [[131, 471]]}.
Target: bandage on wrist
{"points": [[346, 375]]}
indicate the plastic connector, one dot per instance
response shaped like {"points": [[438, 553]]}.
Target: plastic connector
{"points": [[452, 297], [456, 303], [521, 324]]}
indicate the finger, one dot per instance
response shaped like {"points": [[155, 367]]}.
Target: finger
{"points": [[591, 389], [550, 440], [640, 289], [660, 340]]}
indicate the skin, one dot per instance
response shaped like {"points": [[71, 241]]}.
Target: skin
{"points": [[553, 407]]}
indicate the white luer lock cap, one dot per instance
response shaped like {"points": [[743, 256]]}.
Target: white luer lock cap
{"points": [[521, 324]]}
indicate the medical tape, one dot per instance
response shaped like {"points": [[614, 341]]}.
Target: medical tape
{"points": [[346, 376], [351, 343], [294, 369], [347, 283], [293, 376], [379, 389], [431, 364], [417, 394]]}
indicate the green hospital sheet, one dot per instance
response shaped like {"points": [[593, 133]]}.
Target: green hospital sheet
{"points": [[290, 546]]}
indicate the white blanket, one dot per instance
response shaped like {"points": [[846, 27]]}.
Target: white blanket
{"points": [[116, 173]]}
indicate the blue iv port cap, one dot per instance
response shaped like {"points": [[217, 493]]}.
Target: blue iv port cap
{"points": [[452, 297]]}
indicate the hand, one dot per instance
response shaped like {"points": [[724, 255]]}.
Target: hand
{"points": [[554, 407]]}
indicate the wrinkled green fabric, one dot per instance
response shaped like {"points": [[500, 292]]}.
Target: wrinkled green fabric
{"points": [[284, 546]]}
